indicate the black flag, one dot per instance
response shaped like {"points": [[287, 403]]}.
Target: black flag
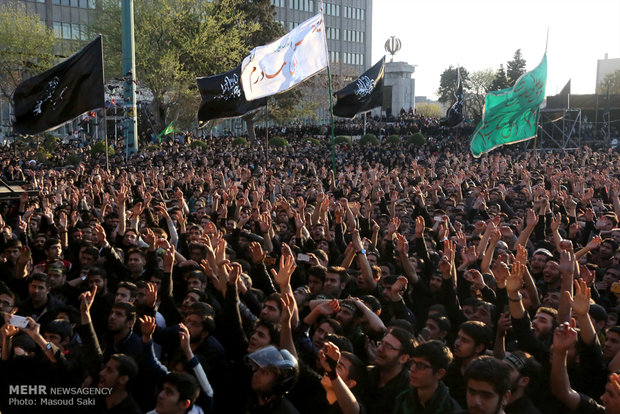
{"points": [[222, 96], [62, 92], [454, 115], [363, 94]]}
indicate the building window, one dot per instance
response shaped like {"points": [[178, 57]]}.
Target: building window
{"points": [[66, 31], [57, 29]]}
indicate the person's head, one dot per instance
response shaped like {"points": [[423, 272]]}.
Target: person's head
{"points": [[524, 370], [348, 313], [97, 276], [488, 385], [316, 279], [57, 274], [136, 260], [38, 288], [335, 281], [130, 239], [484, 312], [472, 340], [196, 280], [178, 395], [272, 308], [88, 255], [7, 301], [12, 249], [544, 322], [610, 398], [58, 332], [275, 371], [608, 248], [200, 322], [435, 282], [395, 349], [265, 333], [118, 372], [325, 327], [438, 327], [612, 342], [53, 249], [192, 296], [539, 259], [197, 252], [429, 364], [551, 273], [122, 318], [125, 292], [351, 369]]}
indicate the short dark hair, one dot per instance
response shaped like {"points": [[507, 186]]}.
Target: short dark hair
{"points": [[186, 385], [341, 271], [272, 328], [131, 287], [206, 313], [59, 327], [478, 331], [128, 309], [318, 271], [436, 353], [50, 242], [98, 271], [275, 297], [490, 370], [406, 339], [91, 251], [357, 371], [39, 277], [126, 366], [442, 322]]}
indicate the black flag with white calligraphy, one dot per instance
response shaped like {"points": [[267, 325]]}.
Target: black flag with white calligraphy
{"points": [[454, 115], [61, 93], [365, 93], [222, 96]]}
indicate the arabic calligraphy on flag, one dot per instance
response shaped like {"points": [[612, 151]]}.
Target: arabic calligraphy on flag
{"points": [[363, 94], [511, 114], [284, 63], [222, 96], [61, 93]]}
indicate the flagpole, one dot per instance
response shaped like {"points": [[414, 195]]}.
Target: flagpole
{"points": [[331, 113]]}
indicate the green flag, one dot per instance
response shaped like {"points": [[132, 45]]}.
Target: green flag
{"points": [[511, 115], [168, 130]]}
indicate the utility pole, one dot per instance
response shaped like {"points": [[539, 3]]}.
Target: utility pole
{"points": [[130, 120]]}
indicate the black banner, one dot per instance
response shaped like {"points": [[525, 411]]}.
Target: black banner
{"points": [[62, 92], [222, 96], [365, 93], [454, 115]]}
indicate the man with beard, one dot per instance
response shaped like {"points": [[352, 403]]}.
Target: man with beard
{"points": [[117, 375], [390, 376], [488, 386], [524, 371]]}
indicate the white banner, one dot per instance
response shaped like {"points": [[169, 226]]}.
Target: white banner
{"points": [[284, 63]]}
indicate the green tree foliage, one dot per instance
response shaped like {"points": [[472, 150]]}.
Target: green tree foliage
{"points": [[416, 139], [368, 139], [240, 142], [500, 81], [26, 46], [480, 83], [199, 144], [278, 142], [392, 139], [429, 109], [341, 139], [515, 68], [179, 40], [611, 79], [447, 83], [315, 142], [98, 149]]}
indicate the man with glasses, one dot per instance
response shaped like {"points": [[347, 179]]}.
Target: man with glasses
{"points": [[428, 394], [390, 374]]}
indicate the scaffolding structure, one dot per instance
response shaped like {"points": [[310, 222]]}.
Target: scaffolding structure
{"points": [[559, 129]]}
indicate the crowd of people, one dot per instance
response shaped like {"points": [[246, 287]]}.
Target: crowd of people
{"points": [[246, 280]]}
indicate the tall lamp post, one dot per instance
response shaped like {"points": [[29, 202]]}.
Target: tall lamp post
{"points": [[130, 121]]}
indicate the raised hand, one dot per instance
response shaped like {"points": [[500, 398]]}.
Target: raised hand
{"points": [[288, 308], [580, 303], [256, 252], [514, 282], [86, 299], [287, 267], [564, 336], [147, 327]]}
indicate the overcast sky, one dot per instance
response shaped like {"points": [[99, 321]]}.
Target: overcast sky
{"points": [[479, 34]]}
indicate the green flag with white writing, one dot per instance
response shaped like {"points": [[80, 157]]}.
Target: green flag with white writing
{"points": [[511, 115]]}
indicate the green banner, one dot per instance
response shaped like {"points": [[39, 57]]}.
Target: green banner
{"points": [[511, 115], [168, 130]]}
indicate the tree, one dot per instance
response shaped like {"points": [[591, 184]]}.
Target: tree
{"points": [[480, 83], [179, 40], [611, 79], [429, 109], [500, 81], [26, 46], [515, 68], [447, 84]]}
